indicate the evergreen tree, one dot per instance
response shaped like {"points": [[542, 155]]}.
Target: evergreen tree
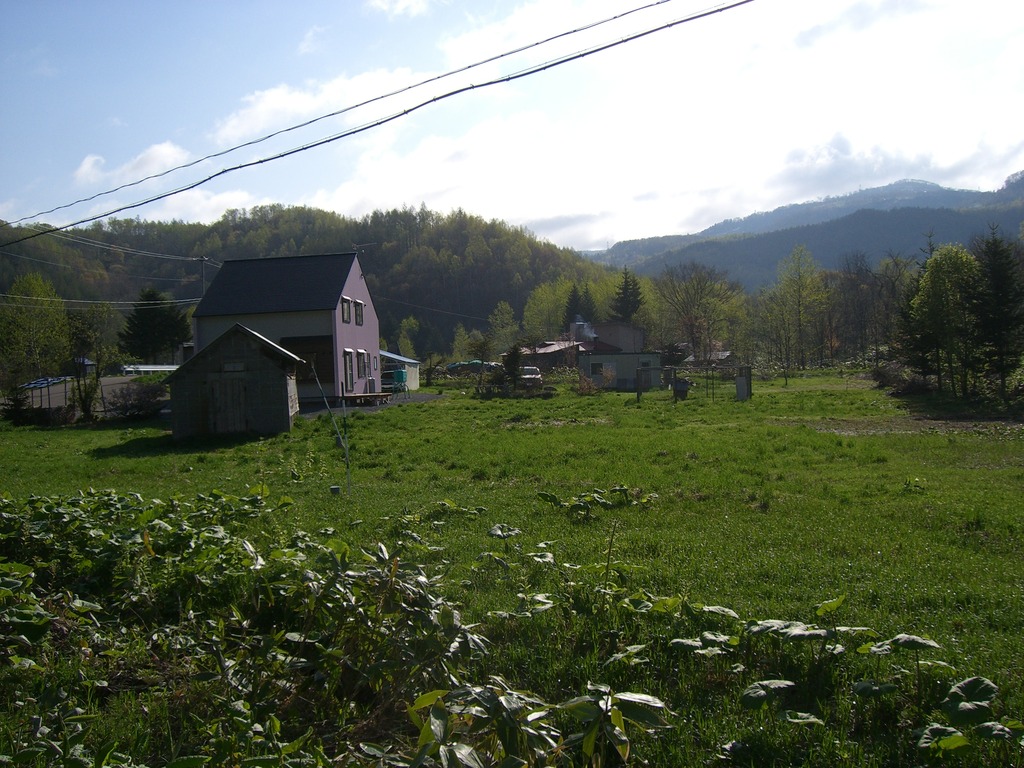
{"points": [[511, 362], [572, 308], [628, 298], [155, 328], [1000, 305], [480, 347], [588, 307]]}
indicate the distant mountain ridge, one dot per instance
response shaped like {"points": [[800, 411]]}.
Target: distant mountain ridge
{"points": [[895, 218]]}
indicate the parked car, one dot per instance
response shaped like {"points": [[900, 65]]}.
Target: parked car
{"points": [[530, 378], [466, 367]]}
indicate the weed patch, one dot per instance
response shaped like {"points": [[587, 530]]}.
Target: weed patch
{"points": [[602, 582]]}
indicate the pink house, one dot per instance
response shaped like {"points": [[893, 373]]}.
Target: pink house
{"points": [[316, 307]]}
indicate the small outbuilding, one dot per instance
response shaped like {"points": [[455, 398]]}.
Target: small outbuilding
{"points": [[401, 371], [241, 382], [622, 371]]}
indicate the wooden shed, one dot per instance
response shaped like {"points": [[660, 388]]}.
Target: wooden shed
{"points": [[240, 383]]}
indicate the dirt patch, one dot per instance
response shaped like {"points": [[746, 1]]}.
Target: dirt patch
{"points": [[554, 423], [915, 425]]}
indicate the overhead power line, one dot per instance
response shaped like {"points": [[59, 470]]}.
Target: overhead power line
{"points": [[113, 247], [80, 268], [533, 70], [339, 112], [35, 301], [99, 244], [438, 310]]}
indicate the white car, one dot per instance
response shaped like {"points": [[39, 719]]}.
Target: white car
{"points": [[530, 378]]}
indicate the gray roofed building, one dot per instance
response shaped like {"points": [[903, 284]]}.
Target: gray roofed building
{"points": [[316, 307], [284, 284]]}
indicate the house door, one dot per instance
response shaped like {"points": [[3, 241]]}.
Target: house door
{"points": [[227, 405]]}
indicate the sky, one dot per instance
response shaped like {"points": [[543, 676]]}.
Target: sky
{"points": [[713, 117]]}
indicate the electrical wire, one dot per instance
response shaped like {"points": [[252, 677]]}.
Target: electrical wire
{"points": [[533, 70], [379, 299], [339, 112], [123, 249], [36, 301], [98, 244], [94, 271]]}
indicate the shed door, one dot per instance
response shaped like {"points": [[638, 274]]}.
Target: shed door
{"points": [[227, 406]]}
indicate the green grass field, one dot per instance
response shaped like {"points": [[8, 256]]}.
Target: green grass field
{"points": [[821, 489]]}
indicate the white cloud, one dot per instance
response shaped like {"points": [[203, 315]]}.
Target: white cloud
{"points": [[284, 105], [194, 205], [90, 170], [153, 160], [312, 41], [743, 111], [202, 205], [858, 17], [400, 7], [8, 209], [740, 112]]}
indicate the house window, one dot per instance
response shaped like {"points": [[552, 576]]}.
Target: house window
{"points": [[359, 313], [596, 369], [361, 362], [350, 383], [346, 310]]}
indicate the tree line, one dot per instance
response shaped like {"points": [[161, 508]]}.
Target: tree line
{"points": [[417, 262], [41, 337], [456, 286]]}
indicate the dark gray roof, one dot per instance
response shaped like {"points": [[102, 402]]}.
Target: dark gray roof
{"points": [[287, 284], [275, 350]]}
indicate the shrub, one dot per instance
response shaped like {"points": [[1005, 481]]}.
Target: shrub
{"points": [[18, 410], [899, 379], [136, 400], [16, 407]]}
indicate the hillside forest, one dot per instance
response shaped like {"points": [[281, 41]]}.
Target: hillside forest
{"points": [[452, 286]]}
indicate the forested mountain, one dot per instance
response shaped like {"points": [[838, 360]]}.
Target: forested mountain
{"points": [[455, 285], [430, 273], [441, 269], [753, 259], [897, 218]]}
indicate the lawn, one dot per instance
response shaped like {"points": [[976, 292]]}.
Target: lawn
{"points": [[822, 501]]}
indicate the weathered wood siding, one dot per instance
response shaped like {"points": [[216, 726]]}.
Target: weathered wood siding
{"points": [[236, 385]]}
